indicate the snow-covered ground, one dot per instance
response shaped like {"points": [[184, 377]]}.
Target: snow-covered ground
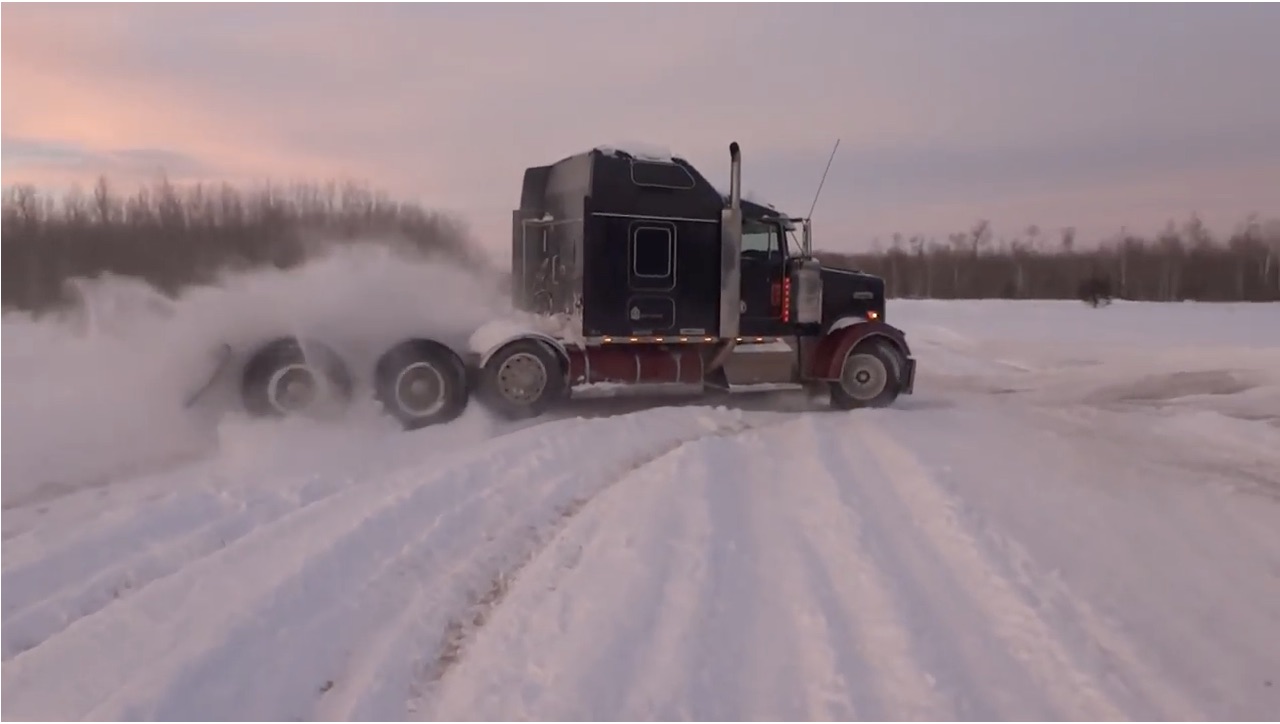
{"points": [[1076, 516]]}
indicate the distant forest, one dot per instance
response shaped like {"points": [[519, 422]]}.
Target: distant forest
{"points": [[1184, 262], [176, 237]]}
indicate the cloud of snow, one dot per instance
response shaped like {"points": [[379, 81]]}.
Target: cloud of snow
{"points": [[96, 393]]}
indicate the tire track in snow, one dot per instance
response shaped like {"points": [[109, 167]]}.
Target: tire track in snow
{"points": [[7, 668], [531, 653], [661, 671], [160, 556], [771, 625], [980, 681], [1148, 693], [36, 579], [1027, 636], [604, 631], [137, 658], [501, 558], [73, 600], [1067, 520], [873, 636], [788, 668], [387, 625], [696, 592], [1151, 693]]}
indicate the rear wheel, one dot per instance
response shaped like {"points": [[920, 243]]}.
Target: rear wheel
{"points": [[420, 382], [523, 379], [290, 377], [871, 376]]}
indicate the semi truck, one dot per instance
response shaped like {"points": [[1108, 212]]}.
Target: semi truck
{"points": [[629, 269]]}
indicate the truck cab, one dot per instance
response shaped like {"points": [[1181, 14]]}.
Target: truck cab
{"points": [[773, 247], [654, 275]]}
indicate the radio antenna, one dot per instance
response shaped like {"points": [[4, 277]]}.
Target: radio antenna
{"points": [[824, 179]]}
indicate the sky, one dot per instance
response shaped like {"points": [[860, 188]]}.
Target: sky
{"points": [[1095, 116]]}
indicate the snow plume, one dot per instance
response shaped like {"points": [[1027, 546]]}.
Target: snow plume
{"points": [[96, 392]]}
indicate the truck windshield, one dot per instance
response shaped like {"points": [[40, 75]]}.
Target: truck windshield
{"points": [[761, 237], [795, 247]]}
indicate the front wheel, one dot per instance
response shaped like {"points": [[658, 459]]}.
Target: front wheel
{"points": [[871, 376], [421, 383]]}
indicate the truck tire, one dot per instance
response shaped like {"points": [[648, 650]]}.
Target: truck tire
{"points": [[523, 379], [420, 382], [289, 377], [871, 376]]}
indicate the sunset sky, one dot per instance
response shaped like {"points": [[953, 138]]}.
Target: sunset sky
{"points": [[1096, 116]]}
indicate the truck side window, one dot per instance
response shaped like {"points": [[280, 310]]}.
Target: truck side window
{"points": [[652, 251], [760, 238]]}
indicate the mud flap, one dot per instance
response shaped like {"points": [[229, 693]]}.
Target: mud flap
{"points": [[909, 375], [223, 357], [716, 381]]}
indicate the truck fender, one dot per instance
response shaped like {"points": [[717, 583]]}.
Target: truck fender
{"points": [[492, 337], [843, 322], [832, 349]]}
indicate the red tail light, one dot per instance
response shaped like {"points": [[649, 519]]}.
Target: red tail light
{"points": [[786, 299]]}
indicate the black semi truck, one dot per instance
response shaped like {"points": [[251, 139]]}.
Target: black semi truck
{"points": [[642, 273]]}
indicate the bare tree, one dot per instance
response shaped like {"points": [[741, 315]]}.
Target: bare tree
{"points": [[175, 236], [1184, 262]]}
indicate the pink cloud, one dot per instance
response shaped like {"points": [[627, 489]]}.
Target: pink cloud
{"points": [[447, 105]]}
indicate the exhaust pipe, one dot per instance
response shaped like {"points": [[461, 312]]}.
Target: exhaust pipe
{"points": [[730, 252], [735, 177]]}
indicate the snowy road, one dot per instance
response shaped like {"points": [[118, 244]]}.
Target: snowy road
{"points": [[847, 580], [1047, 530]]}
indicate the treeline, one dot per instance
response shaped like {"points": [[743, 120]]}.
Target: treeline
{"points": [[175, 237], [1184, 262]]}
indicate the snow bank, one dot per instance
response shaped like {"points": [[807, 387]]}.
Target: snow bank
{"points": [[97, 393], [1189, 372]]}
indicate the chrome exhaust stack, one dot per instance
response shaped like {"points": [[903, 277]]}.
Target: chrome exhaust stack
{"points": [[730, 264], [735, 177], [731, 249]]}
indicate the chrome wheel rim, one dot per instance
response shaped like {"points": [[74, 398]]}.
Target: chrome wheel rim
{"points": [[521, 378], [864, 376], [293, 388], [420, 389]]}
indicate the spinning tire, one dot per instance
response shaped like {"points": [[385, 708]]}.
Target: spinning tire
{"points": [[289, 377], [421, 383]]}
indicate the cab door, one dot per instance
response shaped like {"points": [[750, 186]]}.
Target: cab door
{"points": [[764, 264]]}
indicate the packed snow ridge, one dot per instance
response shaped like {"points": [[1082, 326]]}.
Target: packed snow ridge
{"points": [[1077, 516]]}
